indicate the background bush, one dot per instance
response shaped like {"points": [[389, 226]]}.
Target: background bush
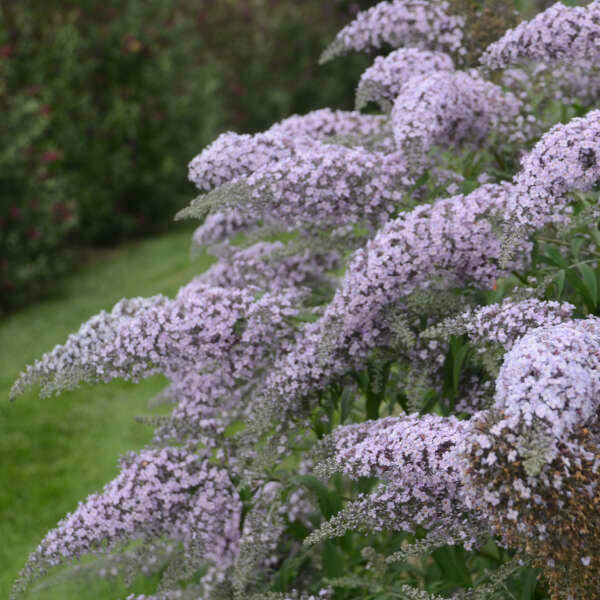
{"points": [[105, 102]]}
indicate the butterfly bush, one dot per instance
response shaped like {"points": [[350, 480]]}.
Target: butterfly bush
{"points": [[368, 371], [233, 155], [447, 244], [251, 267], [201, 326], [564, 160]]}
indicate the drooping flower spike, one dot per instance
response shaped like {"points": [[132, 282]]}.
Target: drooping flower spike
{"points": [[325, 187], [447, 244], [448, 108], [383, 81], [564, 160], [234, 155], [559, 34], [158, 493], [203, 326], [419, 23], [532, 463]]}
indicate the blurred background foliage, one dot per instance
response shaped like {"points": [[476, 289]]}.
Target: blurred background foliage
{"points": [[104, 103]]}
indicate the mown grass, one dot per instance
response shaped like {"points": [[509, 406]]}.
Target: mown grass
{"points": [[54, 452]]}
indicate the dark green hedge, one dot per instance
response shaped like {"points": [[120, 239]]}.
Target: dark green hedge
{"points": [[105, 102]]}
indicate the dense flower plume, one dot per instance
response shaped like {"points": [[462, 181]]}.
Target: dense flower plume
{"points": [[447, 244], [327, 186], [418, 23], [158, 493], [560, 33], [383, 81], [532, 465], [505, 323], [448, 108], [233, 155], [383, 291], [564, 160], [266, 266], [202, 326]]}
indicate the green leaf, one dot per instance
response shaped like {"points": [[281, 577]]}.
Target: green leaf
{"points": [[333, 560], [460, 356], [346, 404], [553, 257], [576, 244], [329, 502], [528, 581], [581, 287], [591, 284], [452, 562], [289, 570], [559, 280]]}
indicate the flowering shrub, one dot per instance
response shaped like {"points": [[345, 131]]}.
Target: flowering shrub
{"points": [[399, 397]]}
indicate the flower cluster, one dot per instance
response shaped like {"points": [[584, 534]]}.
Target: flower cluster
{"points": [[447, 244], [505, 323], [324, 187], [166, 492], [383, 81], [266, 265], [202, 326], [233, 155], [560, 33], [531, 465], [447, 108], [564, 160], [418, 456], [418, 23]]}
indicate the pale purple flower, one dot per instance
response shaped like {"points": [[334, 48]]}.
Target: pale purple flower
{"points": [[419, 23], [384, 80], [560, 33], [449, 108], [158, 493], [564, 160]]}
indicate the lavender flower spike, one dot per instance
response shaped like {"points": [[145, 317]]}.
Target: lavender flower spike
{"points": [[158, 493], [418, 456], [234, 155], [448, 108], [383, 81], [419, 23], [532, 462], [560, 33], [449, 242], [198, 329], [564, 160], [325, 187]]}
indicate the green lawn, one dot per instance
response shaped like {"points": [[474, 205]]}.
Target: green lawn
{"points": [[54, 452]]}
